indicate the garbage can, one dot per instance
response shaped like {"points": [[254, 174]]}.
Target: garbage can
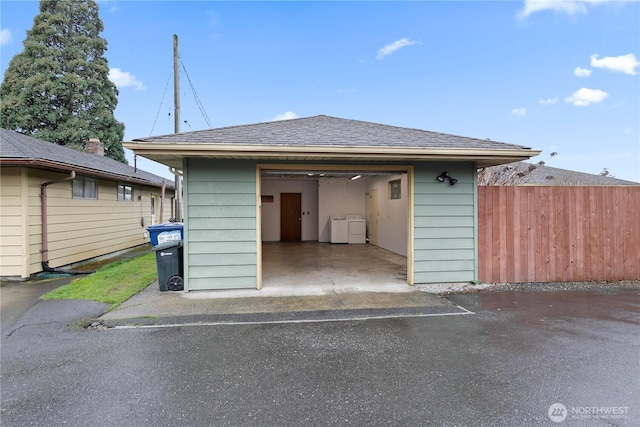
{"points": [[162, 233], [169, 265]]}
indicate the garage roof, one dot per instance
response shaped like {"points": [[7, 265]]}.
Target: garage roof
{"points": [[326, 138]]}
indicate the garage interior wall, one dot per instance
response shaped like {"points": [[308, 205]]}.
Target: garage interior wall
{"points": [[445, 224], [338, 196], [392, 213], [322, 198], [271, 209]]}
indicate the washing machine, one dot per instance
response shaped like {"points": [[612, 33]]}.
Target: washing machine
{"points": [[339, 226], [357, 229]]}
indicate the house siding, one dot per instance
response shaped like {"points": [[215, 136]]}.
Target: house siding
{"points": [[445, 221], [78, 229], [13, 223], [220, 221]]}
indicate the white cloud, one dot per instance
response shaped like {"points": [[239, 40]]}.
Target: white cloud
{"points": [[214, 19], [5, 36], [519, 112], [584, 97], [285, 116], [113, 5], [549, 101], [390, 48], [625, 63], [582, 72], [125, 79], [570, 7]]}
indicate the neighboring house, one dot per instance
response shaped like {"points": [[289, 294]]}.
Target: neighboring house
{"points": [[524, 173], [244, 185], [60, 206]]}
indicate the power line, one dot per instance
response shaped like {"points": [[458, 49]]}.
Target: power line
{"points": [[196, 97], [160, 107]]}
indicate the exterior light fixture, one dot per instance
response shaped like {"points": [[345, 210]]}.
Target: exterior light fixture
{"points": [[443, 176]]}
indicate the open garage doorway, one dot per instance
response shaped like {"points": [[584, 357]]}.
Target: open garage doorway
{"points": [[373, 199]]}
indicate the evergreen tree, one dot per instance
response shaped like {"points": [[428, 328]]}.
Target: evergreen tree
{"points": [[57, 89]]}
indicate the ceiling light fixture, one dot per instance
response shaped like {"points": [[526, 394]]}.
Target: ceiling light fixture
{"points": [[355, 177]]}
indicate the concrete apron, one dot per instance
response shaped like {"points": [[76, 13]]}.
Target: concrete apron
{"points": [[337, 280]]}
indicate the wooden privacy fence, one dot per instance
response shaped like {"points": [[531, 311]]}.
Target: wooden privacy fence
{"points": [[553, 233]]}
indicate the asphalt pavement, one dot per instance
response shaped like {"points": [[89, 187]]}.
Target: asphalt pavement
{"points": [[510, 358]]}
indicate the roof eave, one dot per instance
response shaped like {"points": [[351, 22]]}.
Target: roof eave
{"points": [[64, 167], [172, 154]]}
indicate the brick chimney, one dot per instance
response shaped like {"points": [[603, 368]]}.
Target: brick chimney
{"points": [[94, 146]]}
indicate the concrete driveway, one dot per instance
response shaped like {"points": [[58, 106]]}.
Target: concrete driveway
{"points": [[523, 358]]}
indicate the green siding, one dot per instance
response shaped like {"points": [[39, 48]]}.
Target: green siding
{"points": [[445, 224], [220, 219], [222, 283]]}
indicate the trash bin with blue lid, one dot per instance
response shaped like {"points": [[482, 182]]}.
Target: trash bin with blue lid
{"points": [[163, 233], [169, 264]]}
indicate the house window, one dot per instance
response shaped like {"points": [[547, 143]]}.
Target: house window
{"points": [[125, 193], [85, 188], [395, 190]]}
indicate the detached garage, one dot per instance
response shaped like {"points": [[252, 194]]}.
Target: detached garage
{"points": [[248, 187]]}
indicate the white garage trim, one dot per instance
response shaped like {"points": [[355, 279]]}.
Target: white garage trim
{"points": [[408, 169]]}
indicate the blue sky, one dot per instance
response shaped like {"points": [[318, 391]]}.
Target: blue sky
{"points": [[560, 76]]}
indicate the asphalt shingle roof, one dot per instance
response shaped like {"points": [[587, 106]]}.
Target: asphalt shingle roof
{"points": [[546, 175], [329, 131], [16, 146]]}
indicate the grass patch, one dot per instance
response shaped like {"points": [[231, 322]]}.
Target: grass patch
{"points": [[112, 284]]}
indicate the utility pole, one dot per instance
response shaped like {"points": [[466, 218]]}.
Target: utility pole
{"points": [[176, 122], [176, 86]]}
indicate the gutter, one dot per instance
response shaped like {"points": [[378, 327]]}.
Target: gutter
{"points": [[164, 153], [64, 167], [204, 148], [45, 237]]}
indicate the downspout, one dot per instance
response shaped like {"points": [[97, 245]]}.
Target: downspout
{"points": [[177, 193], [162, 200], [45, 240]]}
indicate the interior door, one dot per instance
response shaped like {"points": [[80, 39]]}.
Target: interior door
{"points": [[373, 217], [290, 217]]}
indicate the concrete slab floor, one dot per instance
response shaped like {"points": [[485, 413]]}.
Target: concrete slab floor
{"points": [[340, 267]]}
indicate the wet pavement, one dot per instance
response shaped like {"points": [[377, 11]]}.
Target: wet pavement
{"points": [[20, 305], [523, 358]]}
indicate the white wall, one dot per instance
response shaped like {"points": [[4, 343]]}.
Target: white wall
{"points": [[271, 211], [338, 196], [333, 196], [392, 219]]}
